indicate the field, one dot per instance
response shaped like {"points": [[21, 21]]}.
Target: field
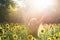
{"points": [[11, 31]]}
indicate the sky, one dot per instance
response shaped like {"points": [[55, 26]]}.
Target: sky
{"points": [[44, 11]]}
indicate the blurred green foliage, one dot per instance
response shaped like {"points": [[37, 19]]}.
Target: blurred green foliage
{"points": [[5, 9]]}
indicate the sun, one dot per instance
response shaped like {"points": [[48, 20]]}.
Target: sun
{"points": [[40, 5]]}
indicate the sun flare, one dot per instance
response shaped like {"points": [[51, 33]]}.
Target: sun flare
{"points": [[40, 5]]}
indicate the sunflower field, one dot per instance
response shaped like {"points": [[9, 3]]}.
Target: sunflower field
{"points": [[20, 32]]}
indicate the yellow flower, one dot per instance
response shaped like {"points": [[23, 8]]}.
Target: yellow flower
{"points": [[30, 37], [15, 37], [49, 38], [42, 31], [7, 26], [16, 26], [55, 35], [59, 34]]}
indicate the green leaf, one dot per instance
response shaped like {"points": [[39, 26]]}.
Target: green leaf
{"points": [[7, 38]]}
